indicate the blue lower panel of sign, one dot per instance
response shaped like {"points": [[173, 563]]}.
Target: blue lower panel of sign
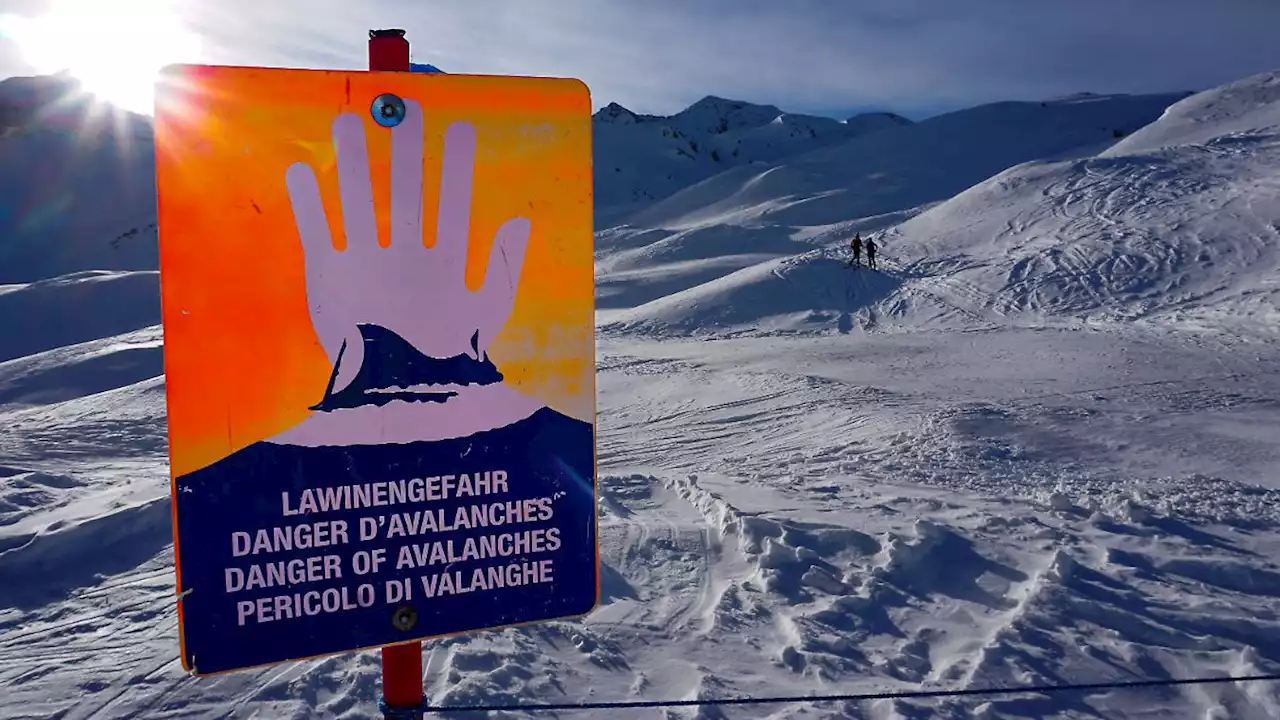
{"points": [[289, 552]]}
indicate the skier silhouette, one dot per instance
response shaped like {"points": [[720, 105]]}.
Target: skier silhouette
{"points": [[856, 246], [871, 253]]}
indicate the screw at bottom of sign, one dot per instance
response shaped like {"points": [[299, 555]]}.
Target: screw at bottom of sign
{"points": [[404, 618]]}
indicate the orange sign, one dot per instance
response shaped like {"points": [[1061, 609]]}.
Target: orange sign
{"points": [[378, 304]]}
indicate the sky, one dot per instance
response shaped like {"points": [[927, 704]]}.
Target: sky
{"points": [[828, 57]]}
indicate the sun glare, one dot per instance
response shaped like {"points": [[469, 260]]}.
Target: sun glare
{"points": [[115, 48]]}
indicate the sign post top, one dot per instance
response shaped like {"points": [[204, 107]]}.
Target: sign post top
{"points": [[388, 50]]}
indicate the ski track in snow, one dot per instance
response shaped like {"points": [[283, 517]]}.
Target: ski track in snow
{"points": [[1037, 447]]}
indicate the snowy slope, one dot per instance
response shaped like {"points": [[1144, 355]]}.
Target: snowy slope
{"points": [[74, 308], [1188, 235], [1003, 459], [1246, 107], [1179, 223]]}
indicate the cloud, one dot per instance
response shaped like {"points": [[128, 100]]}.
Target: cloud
{"points": [[11, 62], [913, 56]]}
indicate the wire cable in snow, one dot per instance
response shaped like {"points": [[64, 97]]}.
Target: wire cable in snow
{"points": [[857, 697]]}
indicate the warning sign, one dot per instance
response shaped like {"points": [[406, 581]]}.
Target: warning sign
{"points": [[378, 301]]}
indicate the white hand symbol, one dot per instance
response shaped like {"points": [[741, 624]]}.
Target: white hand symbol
{"points": [[419, 294]]}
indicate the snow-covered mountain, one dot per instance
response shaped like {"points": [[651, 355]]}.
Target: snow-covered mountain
{"points": [[77, 187], [1177, 224], [22, 99], [641, 158], [738, 217], [900, 167], [1035, 447], [864, 123]]}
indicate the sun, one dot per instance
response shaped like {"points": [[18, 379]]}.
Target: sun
{"points": [[115, 48]]}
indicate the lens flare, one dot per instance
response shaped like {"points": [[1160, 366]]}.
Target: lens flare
{"points": [[114, 49]]}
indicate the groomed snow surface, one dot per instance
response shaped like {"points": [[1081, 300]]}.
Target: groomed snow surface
{"points": [[1038, 446]]}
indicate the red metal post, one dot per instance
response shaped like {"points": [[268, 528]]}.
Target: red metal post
{"points": [[401, 664], [388, 50], [402, 679]]}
